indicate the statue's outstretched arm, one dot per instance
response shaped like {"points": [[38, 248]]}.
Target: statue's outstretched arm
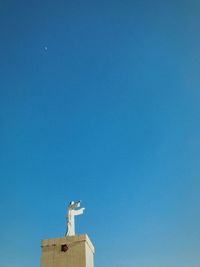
{"points": [[79, 212]]}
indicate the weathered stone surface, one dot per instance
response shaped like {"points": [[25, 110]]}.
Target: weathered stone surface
{"points": [[69, 251]]}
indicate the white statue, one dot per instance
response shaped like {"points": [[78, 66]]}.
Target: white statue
{"points": [[72, 210]]}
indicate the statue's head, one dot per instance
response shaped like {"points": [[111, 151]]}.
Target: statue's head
{"points": [[74, 205]]}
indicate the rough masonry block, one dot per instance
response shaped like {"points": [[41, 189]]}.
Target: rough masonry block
{"points": [[69, 251]]}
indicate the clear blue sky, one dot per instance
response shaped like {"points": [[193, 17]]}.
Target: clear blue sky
{"points": [[100, 101]]}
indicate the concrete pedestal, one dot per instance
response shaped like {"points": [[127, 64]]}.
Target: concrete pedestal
{"points": [[70, 251]]}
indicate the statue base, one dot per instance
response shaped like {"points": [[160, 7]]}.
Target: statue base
{"points": [[69, 251]]}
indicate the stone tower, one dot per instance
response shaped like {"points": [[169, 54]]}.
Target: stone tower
{"points": [[70, 251]]}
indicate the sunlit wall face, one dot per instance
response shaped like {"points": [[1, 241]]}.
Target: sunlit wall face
{"points": [[99, 101]]}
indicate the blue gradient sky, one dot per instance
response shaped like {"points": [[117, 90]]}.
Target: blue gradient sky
{"points": [[109, 113]]}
